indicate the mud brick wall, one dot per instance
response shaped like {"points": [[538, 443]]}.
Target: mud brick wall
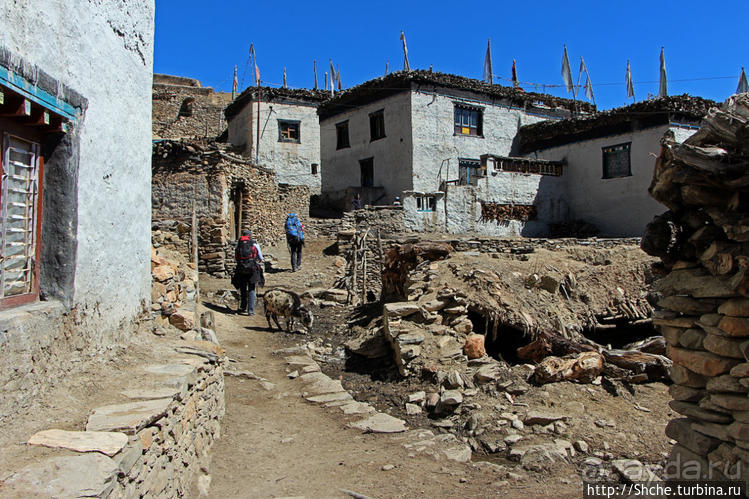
{"points": [[703, 242]]}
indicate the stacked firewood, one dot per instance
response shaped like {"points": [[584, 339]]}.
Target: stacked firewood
{"points": [[703, 241], [496, 212]]}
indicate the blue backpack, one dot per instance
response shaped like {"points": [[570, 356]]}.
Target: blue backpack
{"points": [[294, 228]]}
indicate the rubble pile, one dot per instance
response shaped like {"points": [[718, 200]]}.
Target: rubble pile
{"points": [[704, 308], [183, 108], [173, 287]]}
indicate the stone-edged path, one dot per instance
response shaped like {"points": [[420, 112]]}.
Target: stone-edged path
{"points": [[289, 431]]}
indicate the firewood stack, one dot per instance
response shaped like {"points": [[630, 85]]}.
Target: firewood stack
{"points": [[703, 241]]}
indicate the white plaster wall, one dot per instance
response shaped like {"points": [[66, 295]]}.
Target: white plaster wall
{"points": [[392, 154], [436, 147], [423, 221], [291, 161], [617, 206], [103, 50]]}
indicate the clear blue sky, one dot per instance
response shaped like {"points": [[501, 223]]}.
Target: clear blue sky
{"points": [[703, 41]]}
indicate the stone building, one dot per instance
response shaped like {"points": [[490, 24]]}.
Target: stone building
{"points": [[419, 130], [75, 90], [610, 156], [227, 193], [289, 140], [183, 108]]}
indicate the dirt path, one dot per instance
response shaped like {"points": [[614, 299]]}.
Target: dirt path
{"points": [[275, 444]]}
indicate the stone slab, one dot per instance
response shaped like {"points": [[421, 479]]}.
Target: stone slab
{"points": [[380, 423], [171, 369], [153, 393], [109, 443], [329, 397], [87, 475], [357, 408], [128, 418]]}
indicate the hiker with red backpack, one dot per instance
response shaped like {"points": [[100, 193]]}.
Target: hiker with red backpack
{"points": [[248, 272], [295, 240]]}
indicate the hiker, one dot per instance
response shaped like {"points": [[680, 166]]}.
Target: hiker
{"points": [[295, 240], [397, 201], [248, 272], [356, 203]]}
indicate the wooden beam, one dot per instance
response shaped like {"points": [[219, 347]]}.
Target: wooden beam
{"points": [[15, 105], [40, 117]]}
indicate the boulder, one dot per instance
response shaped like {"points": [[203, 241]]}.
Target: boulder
{"points": [[451, 398], [108, 443], [682, 431], [183, 320], [704, 363], [474, 346], [401, 309], [163, 272], [380, 423]]}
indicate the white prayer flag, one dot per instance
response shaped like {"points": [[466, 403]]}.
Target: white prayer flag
{"points": [[488, 77], [406, 65], [566, 72], [743, 84], [663, 85], [630, 85]]}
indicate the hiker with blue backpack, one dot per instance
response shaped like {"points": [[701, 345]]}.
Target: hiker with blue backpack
{"points": [[295, 240]]}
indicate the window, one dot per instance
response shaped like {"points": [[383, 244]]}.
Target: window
{"points": [[367, 172], [314, 168], [468, 120], [469, 171], [377, 125], [288, 131], [616, 161], [426, 203], [341, 133], [20, 204]]}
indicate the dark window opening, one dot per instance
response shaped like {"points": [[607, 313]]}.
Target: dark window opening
{"points": [[468, 121], [377, 125], [469, 171], [187, 108], [288, 131], [616, 161], [314, 168], [341, 133], [426, 203], [367, 172]]}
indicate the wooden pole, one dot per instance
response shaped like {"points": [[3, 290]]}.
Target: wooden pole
{"points": [[195, 253], [257, 144]]}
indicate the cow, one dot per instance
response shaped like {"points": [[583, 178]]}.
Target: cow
{"points": [[282, 303]]}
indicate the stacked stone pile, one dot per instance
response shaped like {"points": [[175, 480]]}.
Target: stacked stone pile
{"points": [[704, 309], [173, 291]]}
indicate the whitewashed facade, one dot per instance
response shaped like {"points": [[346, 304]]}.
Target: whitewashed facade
{"points": [[289, 133]]}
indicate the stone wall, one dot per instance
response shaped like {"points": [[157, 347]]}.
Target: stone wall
{"points": [[216, 179], [704, 308], [182, 108]]}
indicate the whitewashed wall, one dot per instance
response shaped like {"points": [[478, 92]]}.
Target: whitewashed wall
{"points": [[104, 51], [392, 154], [291, 161], [436, 147], [616, 206]]}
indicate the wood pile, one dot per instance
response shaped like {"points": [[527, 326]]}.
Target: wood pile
{"points": [[703, 241], [496, 212]]}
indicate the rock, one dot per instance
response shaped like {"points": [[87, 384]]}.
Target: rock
{"points": [[433, 400], [413, 409], [388, 467], [444, 446], [549, 284], [401, 309], [380, 423], [704, 363], [683, 376], [692, 339], [464, 326], [372, 345], [542, 418], [741, 370], [163, 272], [329, 397], [632, 470], [487, 373], [517, 424], [734, 326], [87, 475], [736, 307], [417, 397], [517, 387], [685, 393], [356, 408], [410, 338], [693, 282], [739, 431], [725, 383], [717, 431], [581, 446], [687, 305], [512, 439], [732, 402], [474, 346], [534, 457], [319, 384], [155, 393], [681, 430], [108, 443], [451, 398], [128, 418], [726, 347], [454, 380], [694, 411], [183, 320], [335, 295]]}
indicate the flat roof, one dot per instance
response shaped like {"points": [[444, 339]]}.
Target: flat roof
{"points": [[271, 94]]}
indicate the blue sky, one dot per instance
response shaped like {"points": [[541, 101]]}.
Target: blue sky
{"points": [[705, 44]]}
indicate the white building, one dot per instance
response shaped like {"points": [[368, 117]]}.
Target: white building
{"points": [[75, 119], [289, 132], [610, 158], [419, 130]]}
